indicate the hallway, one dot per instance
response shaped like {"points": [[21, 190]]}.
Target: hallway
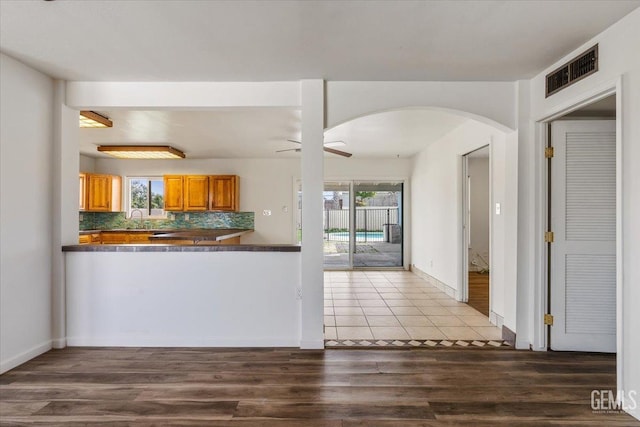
{"points": [[397, 305]]}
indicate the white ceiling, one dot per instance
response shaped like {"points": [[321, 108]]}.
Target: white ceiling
{"points": [[198, 40], [258, 133]]}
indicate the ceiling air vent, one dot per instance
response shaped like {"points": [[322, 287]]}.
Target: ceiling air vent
{"points": [[573, 71]]}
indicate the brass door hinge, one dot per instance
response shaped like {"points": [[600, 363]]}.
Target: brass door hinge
{"points": [[548, 237], [548, 152], [548, 319]]}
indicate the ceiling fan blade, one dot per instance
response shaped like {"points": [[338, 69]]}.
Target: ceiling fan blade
{"points": [[337, 143], [338, 152], [325, 148], [290, 149]]}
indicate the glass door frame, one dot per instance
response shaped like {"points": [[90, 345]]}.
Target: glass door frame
{"points": [[352, 223], [351, 219]]}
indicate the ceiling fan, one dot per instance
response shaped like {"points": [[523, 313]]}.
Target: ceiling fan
{"points": [[327, 147]]}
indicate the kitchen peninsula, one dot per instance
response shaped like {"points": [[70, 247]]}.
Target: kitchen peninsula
{"points": [[184, 295]]}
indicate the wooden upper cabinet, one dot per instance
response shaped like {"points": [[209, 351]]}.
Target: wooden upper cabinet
{"points": [[173, 190], [83, 191], [100, 193], [201, 193], [196, 193], [116, 193], [224, 193]]}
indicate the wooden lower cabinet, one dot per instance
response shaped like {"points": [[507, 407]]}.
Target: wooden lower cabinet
{"points": [[123, 238], [115, 238], [231, 241], [86, 239], [139, 237]]}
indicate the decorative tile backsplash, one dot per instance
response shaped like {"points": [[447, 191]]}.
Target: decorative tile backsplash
{"points": [[117, 220]]}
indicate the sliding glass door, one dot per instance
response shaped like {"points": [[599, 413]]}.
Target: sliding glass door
{"points": [[337, 225], [378, 224], [362, 224]]}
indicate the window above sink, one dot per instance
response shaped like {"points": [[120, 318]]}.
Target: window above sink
{"points": [[146, 195]]}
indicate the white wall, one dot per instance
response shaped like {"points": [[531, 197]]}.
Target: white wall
{"points": [[478, 172], [366, 169], [264, 184], [183, 299], [351, 99], [437, 210], [26, 135], [618, 62], [87, 164]]}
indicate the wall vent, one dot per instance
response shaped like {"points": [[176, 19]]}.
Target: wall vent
{"points": [[576, 69]]}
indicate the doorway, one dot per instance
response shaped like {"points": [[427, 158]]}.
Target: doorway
{"points": [[477, 228], [363, 225], [582, 235]]}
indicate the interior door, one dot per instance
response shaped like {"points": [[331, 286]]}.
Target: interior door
{"points": [[583, 219]]}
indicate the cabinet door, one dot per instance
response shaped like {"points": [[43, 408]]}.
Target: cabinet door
{"points": [[115, 238], [99, 193], [116, 193], [139, 237], [83, 191], [196, 193], [223, 192], [173, 188]]}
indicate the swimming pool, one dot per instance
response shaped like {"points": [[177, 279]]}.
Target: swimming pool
{"points": [[361, 236]]}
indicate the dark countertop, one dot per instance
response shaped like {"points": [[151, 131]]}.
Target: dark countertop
{"points": [[181, 248], [200, 235]]}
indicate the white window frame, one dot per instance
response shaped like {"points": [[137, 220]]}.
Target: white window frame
{"points": [[127, 195]]}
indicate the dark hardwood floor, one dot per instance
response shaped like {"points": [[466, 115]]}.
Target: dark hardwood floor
{"points": [[479, 292], [289, 387]]}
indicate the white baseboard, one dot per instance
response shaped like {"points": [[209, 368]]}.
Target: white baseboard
{"points": [[496, 319], [452, 292], [139, 341], [312, 344], [59, 342], [23, 357], [635, 413]]}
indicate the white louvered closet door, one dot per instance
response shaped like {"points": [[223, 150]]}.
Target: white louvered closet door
{"points": [[583, 219]]}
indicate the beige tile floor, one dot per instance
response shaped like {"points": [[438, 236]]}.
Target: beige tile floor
{"points": [[397, 305]]}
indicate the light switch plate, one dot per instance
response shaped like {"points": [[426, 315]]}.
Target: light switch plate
{"points": [[186, 217], [497, 208], [266, 212]]}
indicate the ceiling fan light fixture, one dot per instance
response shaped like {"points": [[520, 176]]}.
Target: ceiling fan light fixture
{"points": [[152, 152], [91, 119]]}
